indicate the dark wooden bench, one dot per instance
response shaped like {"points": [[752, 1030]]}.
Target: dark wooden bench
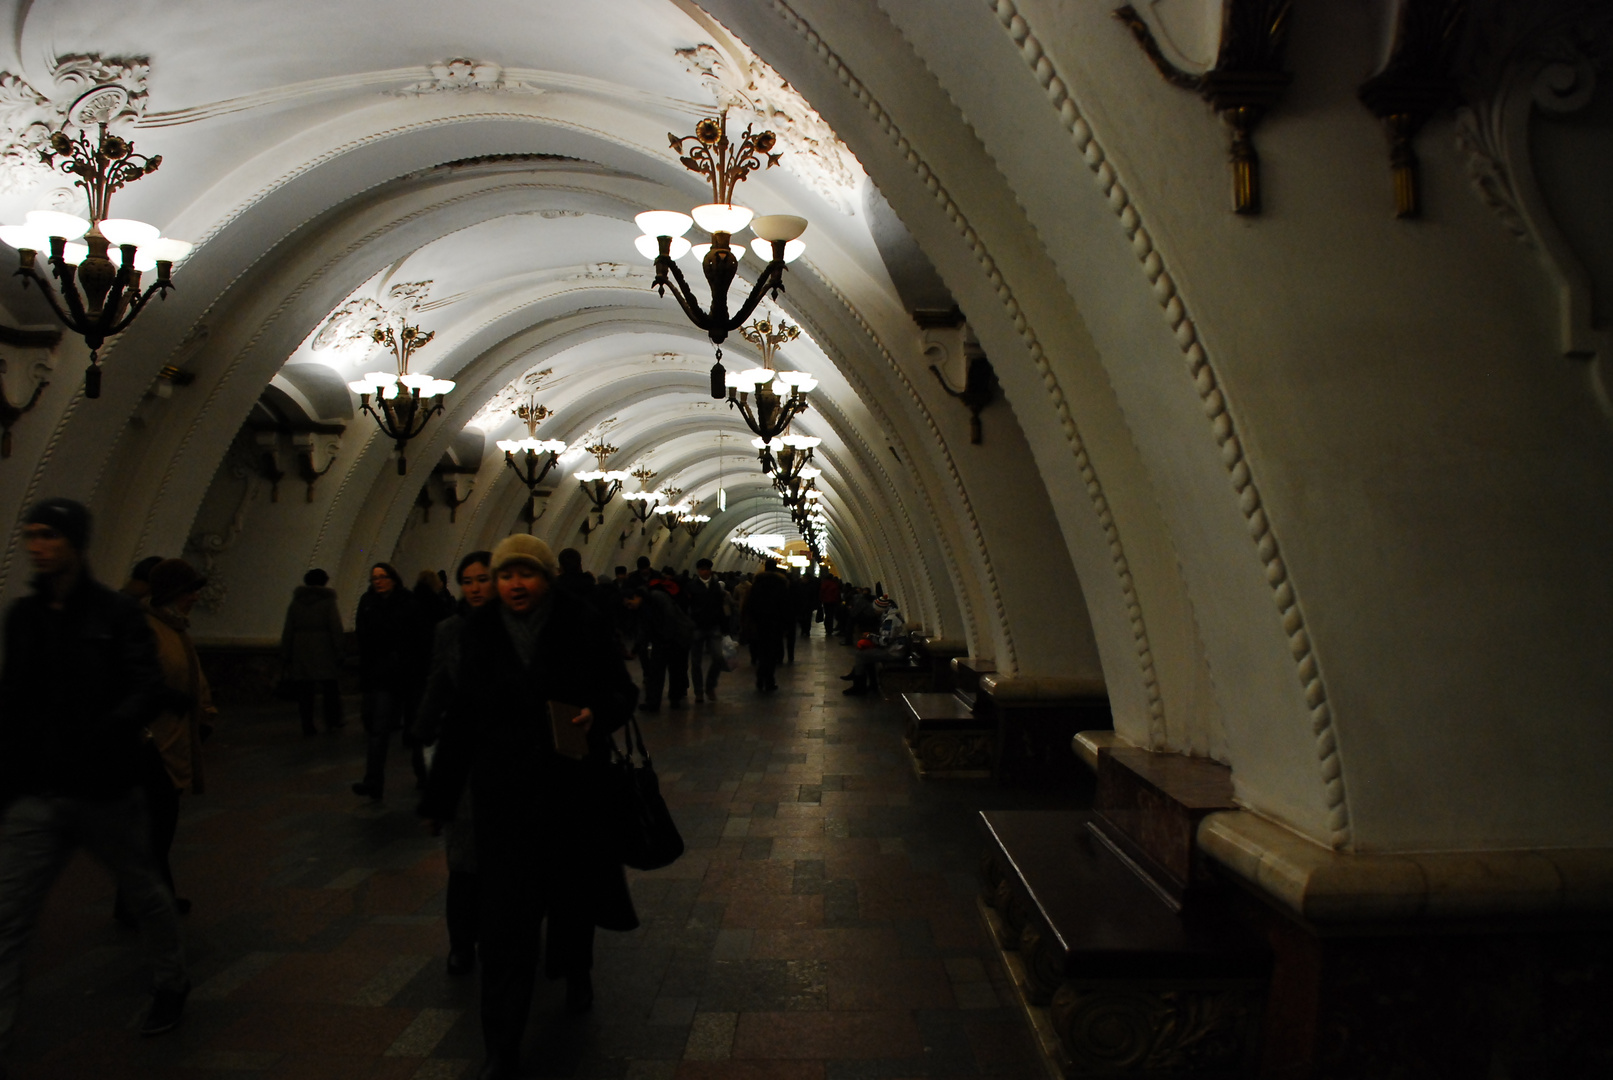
{"points": [[945, 738]]}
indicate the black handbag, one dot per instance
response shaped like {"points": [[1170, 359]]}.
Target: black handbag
{"points": [[646, 836]]}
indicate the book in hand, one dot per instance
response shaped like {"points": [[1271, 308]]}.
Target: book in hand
{"points": [[570, 739]]}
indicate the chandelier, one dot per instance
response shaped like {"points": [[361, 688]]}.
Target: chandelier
{"points": [[404, 401], [780, 395], [795, 489], [786, 455], [725, 164], [95, 297], [530, 471], [601, 485], [693, 522], [641, 503]]}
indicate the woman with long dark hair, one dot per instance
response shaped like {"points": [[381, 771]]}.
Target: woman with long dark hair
{"points": [[393, 650]]}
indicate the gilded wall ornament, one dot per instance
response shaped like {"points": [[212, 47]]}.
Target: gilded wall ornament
{"points": [[28, 115]]}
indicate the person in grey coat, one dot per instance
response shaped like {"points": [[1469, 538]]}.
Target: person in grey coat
{"points": [[311, 648]]}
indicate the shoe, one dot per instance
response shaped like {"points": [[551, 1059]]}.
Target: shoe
{"points": [[848, 678], [579, 993], [677, 703], [855, 690], [461, 961], [361, 788], [166, 1008]]}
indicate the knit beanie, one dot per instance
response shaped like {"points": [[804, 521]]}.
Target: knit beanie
{"points": [[884, 603], [523, 548], [71, 519], [171, 579]]}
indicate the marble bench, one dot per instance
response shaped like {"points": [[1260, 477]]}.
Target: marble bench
{"points": [[944, 737]]}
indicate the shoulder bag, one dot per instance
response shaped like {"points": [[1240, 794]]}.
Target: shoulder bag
{"points": [[646, 836]]}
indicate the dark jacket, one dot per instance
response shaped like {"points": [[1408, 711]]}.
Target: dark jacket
{"points": [[708, 605], [393, 641], [662, 622], [440, 680], [312, 639], [769, 604], [79, 686], [535, 809]]}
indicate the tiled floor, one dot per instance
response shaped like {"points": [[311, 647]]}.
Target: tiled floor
{"points": [[820, 927]]}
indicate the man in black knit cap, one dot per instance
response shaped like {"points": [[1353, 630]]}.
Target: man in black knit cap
{"points": [[80, 683]]}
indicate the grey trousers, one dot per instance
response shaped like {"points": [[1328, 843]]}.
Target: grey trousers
{"points": [[40, 835]]}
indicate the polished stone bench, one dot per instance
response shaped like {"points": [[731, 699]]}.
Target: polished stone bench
{"points": [[1036, 717], [944, 737], [938, 653], [1130, 959]]}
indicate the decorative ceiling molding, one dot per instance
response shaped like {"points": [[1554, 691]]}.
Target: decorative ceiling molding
{"points": [[28, 115], [813, 152], [354, 322], [526, 81], [501, 406], [460, 75]]}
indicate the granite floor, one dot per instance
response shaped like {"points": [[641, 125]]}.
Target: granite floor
{"points": [[821, 926]]}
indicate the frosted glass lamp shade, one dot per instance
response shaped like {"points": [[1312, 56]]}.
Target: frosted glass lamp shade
{"points": [[75, 253], [553, 446], [167, 249], [439, 387], [722, 217], [762, 444], [618, 476], [770, 227], [120, 231], [55, 223], [30, 237], [699, 251], [650, 247], [588, 476], [764, 250], [809, 473], [509, 446], [359, 386], [663, 222], [416, 382]]}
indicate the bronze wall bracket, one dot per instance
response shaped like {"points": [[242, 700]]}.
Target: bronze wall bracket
{"points": [[1245, 84]]}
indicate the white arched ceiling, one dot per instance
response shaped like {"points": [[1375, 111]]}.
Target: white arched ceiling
{"points": [[315, 175]]}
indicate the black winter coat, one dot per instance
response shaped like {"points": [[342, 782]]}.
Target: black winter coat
{"points": [[394, 641], [79, 686], [532, 806]]}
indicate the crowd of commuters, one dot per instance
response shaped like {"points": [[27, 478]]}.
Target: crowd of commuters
{"points": [[508, 700]]}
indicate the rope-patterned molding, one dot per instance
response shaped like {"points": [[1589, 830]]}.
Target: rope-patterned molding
{"points": [[1215, 409], [1033, 346], [872, 401]]}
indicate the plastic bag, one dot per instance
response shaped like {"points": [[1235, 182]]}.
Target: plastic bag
{"points": [[730, 652]]}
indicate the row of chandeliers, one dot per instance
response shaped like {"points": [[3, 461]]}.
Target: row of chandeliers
{"points": [[97, 297]]}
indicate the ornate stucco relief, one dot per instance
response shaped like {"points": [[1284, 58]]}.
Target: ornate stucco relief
{"points": [[29, 115], [1531, 64], [350, 326], [461, 75], [814, 153], [1214, 401]]}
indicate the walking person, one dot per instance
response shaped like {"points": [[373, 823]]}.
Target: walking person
{"points": [[662, 642], [709, 608], [524, 662], [184, 718], [392, 647], [80, 683], [829, 602], [311, 647], [768, 614], [442, 687]]}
